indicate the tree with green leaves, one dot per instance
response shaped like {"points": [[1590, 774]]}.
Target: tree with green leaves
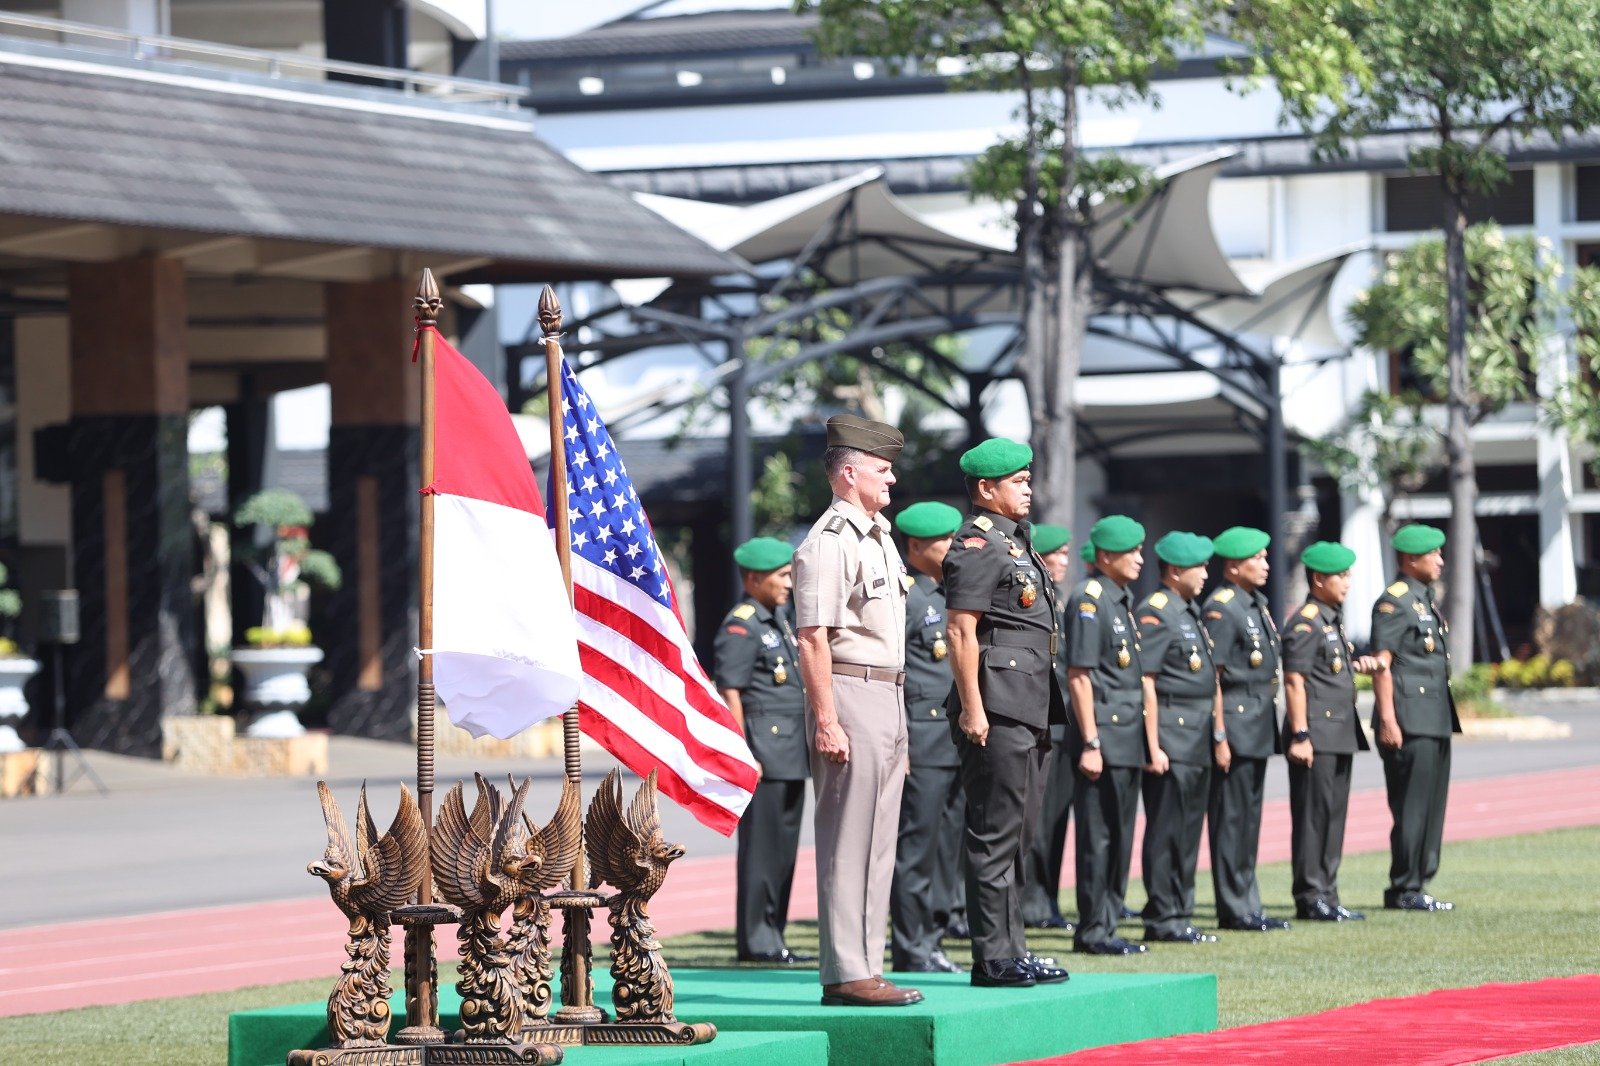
{"points": [[1049, 53], [1576, 405], [1511, 308], [285, 564], [1384, 448], [1471, 74]]}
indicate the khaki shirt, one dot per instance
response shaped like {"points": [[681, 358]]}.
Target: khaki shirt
{"points": [[847, 577]]}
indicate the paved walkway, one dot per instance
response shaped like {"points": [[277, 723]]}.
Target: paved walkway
{"points": [[184, 952]]}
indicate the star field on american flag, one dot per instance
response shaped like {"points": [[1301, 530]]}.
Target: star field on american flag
{"points": [[609, 528]]}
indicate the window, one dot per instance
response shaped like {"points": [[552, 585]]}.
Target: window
{"points": [[1413, 202]]}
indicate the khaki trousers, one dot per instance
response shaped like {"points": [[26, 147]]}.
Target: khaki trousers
{"points": [[857, 823]]}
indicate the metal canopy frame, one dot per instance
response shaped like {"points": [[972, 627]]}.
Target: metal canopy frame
{"points": [[952, 290]]}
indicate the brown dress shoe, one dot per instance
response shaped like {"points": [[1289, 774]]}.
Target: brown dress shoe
{"points": [[869, 992]]}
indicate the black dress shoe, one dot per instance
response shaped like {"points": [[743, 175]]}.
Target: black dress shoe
{"points": [[1003, 973], [958, 929], [1055, 921], [1127, 915], [778, 958], [1045, 971], [1348, 915], [1318, 910], [1115, 946], [1416, 901], [939, 962], [1271, 923], [1252, 924], [1187, 935]]}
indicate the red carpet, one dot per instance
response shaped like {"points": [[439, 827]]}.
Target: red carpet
{"points": [[1457, 1025]]}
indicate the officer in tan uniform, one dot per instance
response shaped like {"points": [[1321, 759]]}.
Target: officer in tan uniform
{"points": [[850, 605]]}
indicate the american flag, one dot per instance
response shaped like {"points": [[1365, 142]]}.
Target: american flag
{"points": [[645, 696]]}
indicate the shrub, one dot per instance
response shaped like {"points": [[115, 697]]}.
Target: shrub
{"points": [[1475, 683]]}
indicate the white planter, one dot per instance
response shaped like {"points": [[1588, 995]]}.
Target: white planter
{"points": [[275, 677], [14, 673]]}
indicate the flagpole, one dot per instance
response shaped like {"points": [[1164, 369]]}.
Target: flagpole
{"points": [[577, 992], [422, 998]]}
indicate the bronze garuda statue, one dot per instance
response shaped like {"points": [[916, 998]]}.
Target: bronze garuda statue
{"points": [[551, 854], [477, 865], [368, 878], [628, 852]]}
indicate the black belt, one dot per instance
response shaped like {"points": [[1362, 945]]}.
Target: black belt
{"points": [[1257, 688], [1013, 638]]}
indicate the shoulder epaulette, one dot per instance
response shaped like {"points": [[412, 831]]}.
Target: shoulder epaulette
{"points": [[1158, 600], [983, 522], [1308, 611], [908, 581], [744, 610], [1222, 595], [1399, 588], [836, 524], [1092, 589]]}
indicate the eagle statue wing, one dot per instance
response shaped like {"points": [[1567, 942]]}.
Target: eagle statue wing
{"points": [[460, 856], [553, 850], [394, 864], [339, 852], [609, 838]]}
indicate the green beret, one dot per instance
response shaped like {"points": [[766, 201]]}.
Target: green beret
{"points": [[928, 519], [865, 435], [1088, 551], [1327, 557], [1417, 539], [763, 553], [996, 457], [1048, 538], [1240, 542], [1116, 533], [1183, 549]]}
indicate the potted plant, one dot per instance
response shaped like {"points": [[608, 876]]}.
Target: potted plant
{"points": [[279, 652], [15, 667]]}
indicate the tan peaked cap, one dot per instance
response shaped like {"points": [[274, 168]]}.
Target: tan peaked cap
{"points": [[863, 434]]}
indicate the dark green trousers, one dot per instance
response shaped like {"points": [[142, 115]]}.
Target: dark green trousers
{"points": [[769, 837], [1319, 799], [1174, 814], [923, 863], [1003, 784], [1418, 778], [1234, 824], [1106, 810], [1041, 892]]}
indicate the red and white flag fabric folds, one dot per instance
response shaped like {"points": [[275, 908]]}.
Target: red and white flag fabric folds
{"points": [[645, 696], [505, 648]]}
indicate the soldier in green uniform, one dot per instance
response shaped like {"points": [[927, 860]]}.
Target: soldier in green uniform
{"points": [[927, 856], [1005, 696], [1105, 681], [1414, 717], [1319, 667], [1185, 736], [1247, 650], [1041, 894], [758, 675]]}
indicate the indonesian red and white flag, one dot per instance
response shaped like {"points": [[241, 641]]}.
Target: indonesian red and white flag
{"points": [[645, 697], [505, 645]]}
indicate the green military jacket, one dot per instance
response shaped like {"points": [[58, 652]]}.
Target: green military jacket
{"points": [[992, 568], [1316, 647], [1406, 623], [1102, 638], [757, 654], [927, 674], [1174, 647], [1247, 648]]}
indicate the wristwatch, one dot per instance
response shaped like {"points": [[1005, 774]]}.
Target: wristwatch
{"points": [[1218, 736], [1093, 743], [1303, 734]]}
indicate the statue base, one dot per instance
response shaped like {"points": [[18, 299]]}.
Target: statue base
{"points": [[622, 1034], [522, 1053]]}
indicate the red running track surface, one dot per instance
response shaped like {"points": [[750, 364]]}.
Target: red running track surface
{"points": [[181, 953], [1447, 1028]]}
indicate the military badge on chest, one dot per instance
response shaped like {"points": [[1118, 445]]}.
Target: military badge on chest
{"points": [[938, 649], [780, 672]]}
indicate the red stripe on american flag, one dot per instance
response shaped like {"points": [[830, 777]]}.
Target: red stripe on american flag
{"points": [[634, 756], [668, 715], [647, 638]]}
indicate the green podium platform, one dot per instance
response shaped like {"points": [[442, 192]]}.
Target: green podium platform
{"points": [[762, 1014]]}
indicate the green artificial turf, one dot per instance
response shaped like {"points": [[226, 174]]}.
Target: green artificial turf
{"points": [[1528, 910]]}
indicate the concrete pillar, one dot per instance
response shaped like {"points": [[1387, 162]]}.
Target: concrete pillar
{"points": [[372, 526], [133, 545], [1559, 528]]}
